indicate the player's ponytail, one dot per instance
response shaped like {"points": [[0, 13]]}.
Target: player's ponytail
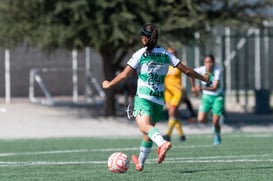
{"points": [[150, 31]]}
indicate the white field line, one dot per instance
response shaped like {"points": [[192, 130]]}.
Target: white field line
{"points": [[212, 159], [248, 135], [254, 135], [206, 159], [149, 161], [218, 161], [3, 164], [260, 135], [91, 150]]}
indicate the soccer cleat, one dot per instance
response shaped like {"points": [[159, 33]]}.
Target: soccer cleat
{"points": [[162, 150], [182, 138], [167, 137], [217, 140], [135, 161]]}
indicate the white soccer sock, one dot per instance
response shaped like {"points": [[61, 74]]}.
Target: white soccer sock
{"points": [[143, 154], [156, 137]]}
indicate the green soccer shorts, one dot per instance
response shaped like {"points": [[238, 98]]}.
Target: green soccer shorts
{"points": [[213, 103], [146, 107]]}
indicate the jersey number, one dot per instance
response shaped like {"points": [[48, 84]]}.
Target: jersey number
{"points": [[153, 79]]}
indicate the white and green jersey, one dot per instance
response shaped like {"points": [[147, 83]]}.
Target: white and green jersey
{"points": [[152, 69], [214, 76]]}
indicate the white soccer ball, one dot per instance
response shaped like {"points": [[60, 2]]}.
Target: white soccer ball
{"points": [[118, 162]]}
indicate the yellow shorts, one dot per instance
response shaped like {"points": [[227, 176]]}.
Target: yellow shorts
{"points": [[172, 97]]}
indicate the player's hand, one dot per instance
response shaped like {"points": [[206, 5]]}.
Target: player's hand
{"points": [[198, 88], [105, 84], [194, 91]]}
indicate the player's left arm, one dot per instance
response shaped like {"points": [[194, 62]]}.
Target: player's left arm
{"points": [[191, 73]]}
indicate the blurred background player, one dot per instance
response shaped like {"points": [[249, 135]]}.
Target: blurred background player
{"points": [[173, 95], [212, 95]]}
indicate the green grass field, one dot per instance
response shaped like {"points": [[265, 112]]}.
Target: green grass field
{"points": [[239, 157]]}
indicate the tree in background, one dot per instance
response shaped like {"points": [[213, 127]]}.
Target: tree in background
{"points": [[112, 27]]}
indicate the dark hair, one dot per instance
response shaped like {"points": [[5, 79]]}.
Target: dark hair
{"points": [[211, 57], [150, 31]]}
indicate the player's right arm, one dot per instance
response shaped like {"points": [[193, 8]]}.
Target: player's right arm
{"points": [[121, 76]]}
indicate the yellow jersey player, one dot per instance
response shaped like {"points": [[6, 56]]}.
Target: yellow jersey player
{"points": [[172, 96]]}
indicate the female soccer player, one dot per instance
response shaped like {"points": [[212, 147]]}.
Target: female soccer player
{"points": [[212, 95], [151, 64]]}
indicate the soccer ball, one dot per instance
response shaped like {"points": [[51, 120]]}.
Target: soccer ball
{"points": [[118, 162]]}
